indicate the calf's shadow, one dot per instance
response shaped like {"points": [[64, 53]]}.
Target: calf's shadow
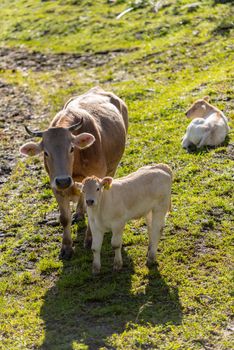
{"points": [[83, 309]]}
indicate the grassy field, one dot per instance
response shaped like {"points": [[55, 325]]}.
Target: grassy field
{"points": [[159, 62]]}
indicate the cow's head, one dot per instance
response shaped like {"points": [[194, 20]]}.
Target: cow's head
{"points": [[199, 108], [92, 188], [58, 145]]}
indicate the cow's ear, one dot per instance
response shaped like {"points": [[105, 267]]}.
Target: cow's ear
{"points": [[84, 140], [106, 182], [206, 98], [31, 149]]}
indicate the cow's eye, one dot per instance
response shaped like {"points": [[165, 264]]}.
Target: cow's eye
{"points": [[98, 189], [46, 154], [72, 149]]}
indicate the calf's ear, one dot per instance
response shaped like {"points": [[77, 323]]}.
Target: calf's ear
{"points": [[31, 149], [78, 187], [83, 140], [203, 106], [106, 182]]}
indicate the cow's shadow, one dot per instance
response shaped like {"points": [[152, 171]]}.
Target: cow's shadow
{"points": [[82, 309]]}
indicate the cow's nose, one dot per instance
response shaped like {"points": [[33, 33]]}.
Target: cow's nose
{"points": [[63, 182], [89, 202]]}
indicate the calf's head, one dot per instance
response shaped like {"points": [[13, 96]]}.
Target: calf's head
{"points": [[199, 108], [58, 145], [92, 188]]}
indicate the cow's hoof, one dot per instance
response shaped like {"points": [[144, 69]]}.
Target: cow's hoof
{"points": [[150, 262], [77, 217], [88, 243], [66, 253]]}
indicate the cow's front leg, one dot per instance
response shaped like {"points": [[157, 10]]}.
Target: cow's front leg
{"points": [[65, 220], [88, 238], [80, 210]]}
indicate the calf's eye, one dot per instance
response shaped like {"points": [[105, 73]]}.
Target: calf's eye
{"points": [[98, 189], [46, 154], [72, 149]]}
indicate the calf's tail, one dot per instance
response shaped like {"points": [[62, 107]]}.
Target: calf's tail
{"points": [[168, 170]]}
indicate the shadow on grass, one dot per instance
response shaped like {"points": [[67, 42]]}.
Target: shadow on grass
{"points": [[206, 149], [82, 309]]}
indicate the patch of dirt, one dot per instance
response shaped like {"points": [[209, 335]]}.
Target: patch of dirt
{"points": [[228, 153], [224, 28], [201, 248], [217, 213], [22, 59], [16, 108], [51, 219]]}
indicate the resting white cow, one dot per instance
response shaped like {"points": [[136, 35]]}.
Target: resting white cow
{"points": [[208, 128], [111, 203]]}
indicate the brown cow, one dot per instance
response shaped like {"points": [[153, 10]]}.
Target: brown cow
{"points": [[71, 154]]}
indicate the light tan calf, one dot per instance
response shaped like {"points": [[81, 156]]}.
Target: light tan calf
{"points": [[111, 203], [209, 126]]}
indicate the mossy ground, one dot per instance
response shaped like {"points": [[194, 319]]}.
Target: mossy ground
{"points": [[158, 63]]}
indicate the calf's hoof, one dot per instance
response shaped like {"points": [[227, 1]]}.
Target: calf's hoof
{"points": [[77, 217], [117, 266], [66, 253], [96, 270]]}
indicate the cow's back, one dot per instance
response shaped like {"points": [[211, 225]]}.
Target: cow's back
{"points": [[97, 99]]}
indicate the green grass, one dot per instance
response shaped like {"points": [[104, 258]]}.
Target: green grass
{"points": [[166, 61]]}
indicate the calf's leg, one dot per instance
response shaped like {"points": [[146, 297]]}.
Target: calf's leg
{"points": [[205, 139], [116, 242], [155, 222], [96, 248]]}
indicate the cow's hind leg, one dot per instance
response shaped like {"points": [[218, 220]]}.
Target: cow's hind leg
{"points": [[65, 220], [155, 222]]}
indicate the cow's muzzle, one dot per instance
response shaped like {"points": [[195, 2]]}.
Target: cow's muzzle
{"points": [[63, 182]]}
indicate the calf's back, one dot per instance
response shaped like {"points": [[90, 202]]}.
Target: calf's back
{"points": [[137, 194]]}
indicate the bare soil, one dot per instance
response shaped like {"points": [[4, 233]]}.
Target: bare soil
{"points": [[13, 59], [16, 109]]}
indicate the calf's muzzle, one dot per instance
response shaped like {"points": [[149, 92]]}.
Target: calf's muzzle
{"points": [[89, 202]]}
